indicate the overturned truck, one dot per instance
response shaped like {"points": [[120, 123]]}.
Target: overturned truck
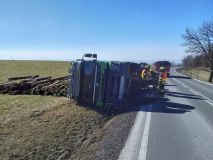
{"points": [[103, 84]]}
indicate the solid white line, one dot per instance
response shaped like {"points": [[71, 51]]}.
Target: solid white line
{"points": [[193, 78], [204, 96], [144, 143], [180, 73], [133, 144], [208, 100], [203, 82]]}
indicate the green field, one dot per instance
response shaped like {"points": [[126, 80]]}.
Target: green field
{"points": [[43, 127], [25, 68]]}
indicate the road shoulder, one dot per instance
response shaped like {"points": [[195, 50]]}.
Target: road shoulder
{"points": [[107, 142], [175, 70]]}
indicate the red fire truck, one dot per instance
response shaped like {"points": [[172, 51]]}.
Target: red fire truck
{"points": [[165, 64]]}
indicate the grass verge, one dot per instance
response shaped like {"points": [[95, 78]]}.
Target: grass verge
{"points": [[195, 73], [35, 127]]}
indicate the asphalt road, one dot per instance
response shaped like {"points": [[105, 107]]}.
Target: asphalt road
{"points": [[178, 126]]}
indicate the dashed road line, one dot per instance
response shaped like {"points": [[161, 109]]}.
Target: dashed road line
{"points": [[181, 83], [208, 100], [177, 81], [194, 92], [185, 86]]}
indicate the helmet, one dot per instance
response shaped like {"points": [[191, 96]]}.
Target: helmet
{"points": [[147, 66], [162, 68]]}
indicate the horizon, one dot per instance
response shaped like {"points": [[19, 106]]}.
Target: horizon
{"points": [[99, 58]]}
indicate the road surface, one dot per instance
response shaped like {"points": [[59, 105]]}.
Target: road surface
{"points": [[179, 126]]}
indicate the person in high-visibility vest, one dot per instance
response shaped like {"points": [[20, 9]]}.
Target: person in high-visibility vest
{"points": [[163, 75], [146, 72], [162, 80]]}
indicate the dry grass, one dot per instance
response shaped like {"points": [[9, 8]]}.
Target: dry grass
{"points": [[39, 127], [196, 73], [44, 130], [24, 68]]}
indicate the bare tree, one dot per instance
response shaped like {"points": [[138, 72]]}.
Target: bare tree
{"points": [[200, 42], [187, 61]]}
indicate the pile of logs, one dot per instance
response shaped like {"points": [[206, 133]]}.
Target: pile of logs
{"points": [[35, 85]]}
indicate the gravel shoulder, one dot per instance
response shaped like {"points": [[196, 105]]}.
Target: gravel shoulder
{"points": [[109, 140]]}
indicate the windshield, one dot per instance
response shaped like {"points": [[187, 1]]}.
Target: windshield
{"points": [[163, 63]]}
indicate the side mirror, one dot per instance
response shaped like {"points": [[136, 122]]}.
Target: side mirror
{"points": [[88, 55], [95, 56]]}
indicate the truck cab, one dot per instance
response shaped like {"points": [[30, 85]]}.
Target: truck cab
{"points": [[165, 64]]}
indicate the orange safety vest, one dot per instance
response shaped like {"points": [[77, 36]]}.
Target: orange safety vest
{"points": [[144, 74], [163, 75]]}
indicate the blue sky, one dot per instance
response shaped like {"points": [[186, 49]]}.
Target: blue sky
{"points": [[143, 30]]}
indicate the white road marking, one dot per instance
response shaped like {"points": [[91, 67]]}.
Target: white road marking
{"points": [[203, 82], [180, 73], [177, 81], [181, 83], [144, 143], [208, 100], [193, 78], [194, 92], [138, 138], [185, 85]]}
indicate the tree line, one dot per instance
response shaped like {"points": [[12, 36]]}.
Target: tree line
{"points": [[191, 61], [199, 44]]}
